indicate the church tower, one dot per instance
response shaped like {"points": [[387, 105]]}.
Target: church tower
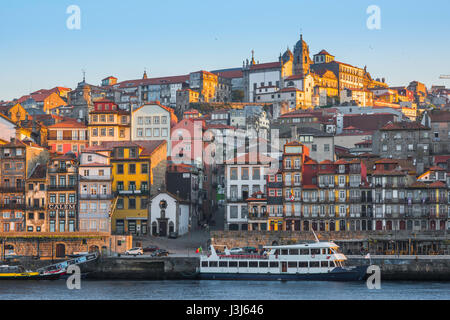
{"points": [[302, 61]]}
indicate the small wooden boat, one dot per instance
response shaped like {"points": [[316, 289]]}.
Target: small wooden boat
{"points": [[19, 273]]}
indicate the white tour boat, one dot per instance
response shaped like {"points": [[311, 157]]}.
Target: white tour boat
{"points": [[307, 261]]}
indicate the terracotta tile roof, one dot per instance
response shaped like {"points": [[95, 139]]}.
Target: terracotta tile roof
{"points": [[294, 77], [39, 172], [326, 162], [232, 73], [68, 124], [325, 52], [269, 65], [387, 161], [290, 90], [404, 125], [436, 168], [438, 184], [341, 161]]}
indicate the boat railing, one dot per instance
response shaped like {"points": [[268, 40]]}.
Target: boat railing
{"points": [[242, 256]]}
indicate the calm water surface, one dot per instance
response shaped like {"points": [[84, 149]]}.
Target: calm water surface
{"points": [[221, 290]]}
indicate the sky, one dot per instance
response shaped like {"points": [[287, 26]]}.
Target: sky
{"points": [[174, 37]]}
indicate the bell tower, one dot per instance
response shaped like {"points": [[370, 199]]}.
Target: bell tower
{"points": [[302, 61]]}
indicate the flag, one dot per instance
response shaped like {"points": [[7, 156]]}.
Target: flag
{"points": [[292, 195], [367, 256], [199, 250]]}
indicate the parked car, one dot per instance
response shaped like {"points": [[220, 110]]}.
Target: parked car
{"points": [[134, 252], [150, 249], [160, 253], [250, 249], [236, 250], [173, 235]]}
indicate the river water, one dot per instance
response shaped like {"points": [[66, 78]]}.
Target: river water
{"points": [[222, 290]]}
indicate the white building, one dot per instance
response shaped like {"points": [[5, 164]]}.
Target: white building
{"points": [[168, 213], [95, 192], [153, 122], [245, 175]]}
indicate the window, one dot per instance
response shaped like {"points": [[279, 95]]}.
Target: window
{"points": [[156, 132], [111, 132], [144, 168], [131, 203], [132, 168], [95, 132], [120, 169]]}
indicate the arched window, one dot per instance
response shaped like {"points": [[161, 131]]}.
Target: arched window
{"points": [[171, 227]]}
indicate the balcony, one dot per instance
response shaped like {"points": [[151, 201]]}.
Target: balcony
{"points": [[35, 208], [95, 196], [256, 216], [101, 178], [11, 189], [12, 206], [133, 192], [62, 187]]}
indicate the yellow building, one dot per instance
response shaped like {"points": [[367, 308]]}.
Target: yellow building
{"points": [[108, 123], [133, 169], [15, 112]]}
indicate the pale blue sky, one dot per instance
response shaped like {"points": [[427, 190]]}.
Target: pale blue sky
{"points": [[173, 37]]}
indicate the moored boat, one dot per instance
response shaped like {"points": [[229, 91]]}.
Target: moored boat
{"points": [[19, 273], [307, 261]]}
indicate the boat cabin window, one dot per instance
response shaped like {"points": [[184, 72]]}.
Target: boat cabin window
{"points": [[232, 264], [263, 264], [324, 251], [243, 264], [277, 251], [292, 264], [324, 264], [223, 263], [253, 264], [331, 264], [213, 264], [304, 252], [303, 264], [204, 263], [315, 251], [284, 252], [274, 264], [293, 252], [314, 264]]}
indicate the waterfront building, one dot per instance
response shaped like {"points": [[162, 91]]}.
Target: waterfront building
{"points": [[62, 193], [136, 166], [36, 200], [13, 169], [95, 192], [294, 155], [245, 175], [108, 123]]}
